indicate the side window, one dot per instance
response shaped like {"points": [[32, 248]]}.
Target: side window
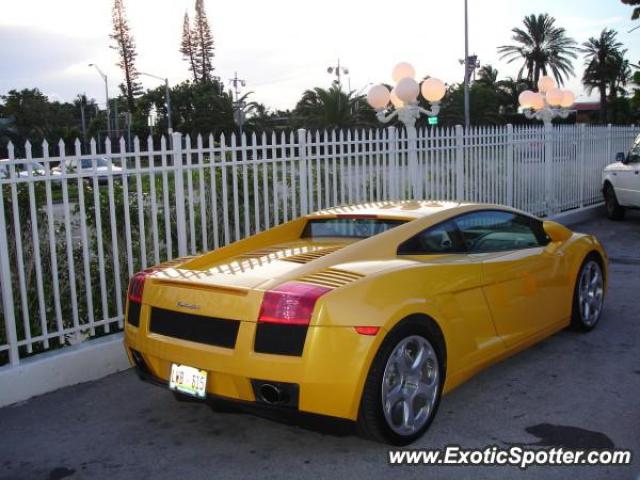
{"points": [[497, 231], [442, 238]]}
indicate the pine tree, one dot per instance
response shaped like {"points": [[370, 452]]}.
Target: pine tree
{"points": [[188, 47], [203, 40], [126, 48]]}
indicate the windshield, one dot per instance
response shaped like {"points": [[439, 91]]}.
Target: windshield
{"points": [[348, 227]]}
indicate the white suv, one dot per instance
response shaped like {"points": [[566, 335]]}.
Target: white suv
{"points": [[621, 182]]}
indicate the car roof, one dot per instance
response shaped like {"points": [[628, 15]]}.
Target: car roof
{"points": [[400, 209]]}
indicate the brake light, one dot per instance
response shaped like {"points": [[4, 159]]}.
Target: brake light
{"points": [[136, 287], [372, 331], [291, 303]]}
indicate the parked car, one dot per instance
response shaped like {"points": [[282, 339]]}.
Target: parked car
{"points": [[366, 314], [103, 165], [621, 182], [22, 169]]}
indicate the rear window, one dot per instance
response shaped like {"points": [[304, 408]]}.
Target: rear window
{"points": [[348, 227]]}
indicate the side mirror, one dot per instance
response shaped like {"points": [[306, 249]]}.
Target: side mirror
{"points": [[621, 157], [556, 232]]}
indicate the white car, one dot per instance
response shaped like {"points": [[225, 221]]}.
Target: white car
{"points": [[103, 166], [621, 182]]}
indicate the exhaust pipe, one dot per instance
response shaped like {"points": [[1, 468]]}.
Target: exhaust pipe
{"points": [[272, 394]]}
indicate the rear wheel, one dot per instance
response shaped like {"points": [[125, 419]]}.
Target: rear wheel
{"points": [[588, 295], [614, 210], [404, 386]]}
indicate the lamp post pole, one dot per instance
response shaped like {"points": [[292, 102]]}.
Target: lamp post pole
{"points": [[167, 94], [106, 94], [467, 115], [404, 98]]}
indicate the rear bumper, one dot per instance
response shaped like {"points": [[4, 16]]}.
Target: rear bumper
{"points": [[329, 375], [324, 423]]}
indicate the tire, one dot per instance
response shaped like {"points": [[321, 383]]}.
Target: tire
{"points": [[588, 294], [614, 210], [419, 388]]}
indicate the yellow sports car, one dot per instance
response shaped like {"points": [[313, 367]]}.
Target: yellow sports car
{"points": [[365, 313]]}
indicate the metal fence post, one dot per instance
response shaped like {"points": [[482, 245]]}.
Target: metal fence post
{"points": [[459, 163], [304, 189], [392, 178], [582, 138], [181, 216], [548, 164], [5, 281], [510, 181]]}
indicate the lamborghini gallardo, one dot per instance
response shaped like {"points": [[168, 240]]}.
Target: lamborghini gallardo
{"points": [[366, 314]]}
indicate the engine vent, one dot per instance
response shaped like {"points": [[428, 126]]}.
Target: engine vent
{"points": [[310, 256], [331, 277]]}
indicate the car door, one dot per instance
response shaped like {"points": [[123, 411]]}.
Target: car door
{"points": [[522, 280], [628, 182]]}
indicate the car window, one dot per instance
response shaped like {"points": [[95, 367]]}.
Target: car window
{"points": [[496, 231], [347, 227], [442, 238], [634, 153]]}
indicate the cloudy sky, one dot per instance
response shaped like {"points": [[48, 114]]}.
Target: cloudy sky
{"points": [[280, 47]]}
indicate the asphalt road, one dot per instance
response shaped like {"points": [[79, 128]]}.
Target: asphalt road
{"points": [[572, 390]]}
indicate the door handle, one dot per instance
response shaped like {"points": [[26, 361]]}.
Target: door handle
{"points": [[637, 172]]}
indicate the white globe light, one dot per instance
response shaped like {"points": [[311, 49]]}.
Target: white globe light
{"points": [[546, 83], [378, 97], [537, 101], [568, 99], [403, 70], [407, 90], [554, 97], [525, 99], [433, 89], [395, 100]]}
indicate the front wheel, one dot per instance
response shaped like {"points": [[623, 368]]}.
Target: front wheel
{"points": [[614, 210], [588, 295], [404, 387]]}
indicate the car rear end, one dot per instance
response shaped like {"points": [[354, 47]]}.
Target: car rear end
{"points": [[244, 343]]}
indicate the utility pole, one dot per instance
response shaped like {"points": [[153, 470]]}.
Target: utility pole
{"points": [[82, 119], [467, 116], [237, 83]]}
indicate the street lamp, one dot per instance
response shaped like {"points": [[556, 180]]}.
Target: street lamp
{"points": [[167, 94], [106, 93], [338, 71], [547, 103], [404, 98]]}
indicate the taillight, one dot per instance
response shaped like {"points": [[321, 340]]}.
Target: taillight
{"points": [[291, 303], [136, 287]]}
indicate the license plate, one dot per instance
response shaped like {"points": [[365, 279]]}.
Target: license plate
{"points": [[188, 380]]}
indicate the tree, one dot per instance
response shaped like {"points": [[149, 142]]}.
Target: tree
{"points": [[636, 11], [332, 108], [126, 48], [543, 48], [188, 46], [203, 40], [602, 65], [488, 76]]}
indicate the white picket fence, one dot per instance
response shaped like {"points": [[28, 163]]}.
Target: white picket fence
{"points": [[70, 238]]}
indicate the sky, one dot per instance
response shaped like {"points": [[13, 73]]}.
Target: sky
{"points": [[281, 47]]}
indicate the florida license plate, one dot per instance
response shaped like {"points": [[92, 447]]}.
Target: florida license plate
{"points": [[188, 380]]}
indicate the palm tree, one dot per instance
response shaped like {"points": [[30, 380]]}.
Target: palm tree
{"points": [[332, 108], [543, 48], [602, 61], [488, 76]]}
